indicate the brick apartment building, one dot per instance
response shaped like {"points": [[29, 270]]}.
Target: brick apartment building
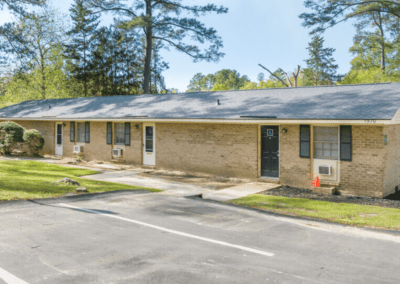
{"points": [[348, 136]]}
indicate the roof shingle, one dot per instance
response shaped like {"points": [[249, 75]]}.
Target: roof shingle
{"points": [[373, 101]]}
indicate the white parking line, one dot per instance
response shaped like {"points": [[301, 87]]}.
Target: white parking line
{"points": [[9, 278], [174, 232]]}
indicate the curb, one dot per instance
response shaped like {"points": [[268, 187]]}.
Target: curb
{"points": [[73, 198]]}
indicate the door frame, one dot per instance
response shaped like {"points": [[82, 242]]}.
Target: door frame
{"points": [[259, 151], [62, 139], [144, 142]]}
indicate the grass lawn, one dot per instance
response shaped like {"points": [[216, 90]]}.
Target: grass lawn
{"points": [[30, 179], [345, 213]]}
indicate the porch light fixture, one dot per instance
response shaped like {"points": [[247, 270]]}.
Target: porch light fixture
{"points": [[137, 126], [284, 130]]}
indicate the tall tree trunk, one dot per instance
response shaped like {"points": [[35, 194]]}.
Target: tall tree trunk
{"points": [[84, 65], [296, 75], [382, 42], [42, 70], [316, 79], [148, 49], [155, 72]]}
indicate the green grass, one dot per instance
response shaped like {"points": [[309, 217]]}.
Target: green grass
{"points": [[344, 213], [30, 179]]}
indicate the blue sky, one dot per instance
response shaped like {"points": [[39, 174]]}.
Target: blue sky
{"points": [[257, 31]]}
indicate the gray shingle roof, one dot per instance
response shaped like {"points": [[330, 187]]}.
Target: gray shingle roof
{"points": [[373, 101]]}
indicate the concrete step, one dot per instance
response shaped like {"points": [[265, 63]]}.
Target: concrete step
{"points": [[118, 161], [148, 167], [268, 180], [329, 183], [327, 190]]}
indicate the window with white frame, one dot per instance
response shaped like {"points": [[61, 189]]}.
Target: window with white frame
{"points": [[81, 132], [326, 142], [119, 133]]}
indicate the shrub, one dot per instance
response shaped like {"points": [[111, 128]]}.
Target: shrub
{"points": [[34, 140], [11, 133]]}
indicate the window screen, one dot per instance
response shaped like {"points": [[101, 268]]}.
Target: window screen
{"points": [[326, 142], [81, 132], [119, 136]]}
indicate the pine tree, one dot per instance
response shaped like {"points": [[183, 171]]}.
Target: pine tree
{"points": [[115, 68], [157, 83], [166, 21], [321, 69], [84, 27]]}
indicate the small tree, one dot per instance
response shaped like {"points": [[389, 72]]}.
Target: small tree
{"points": [[34, 140], [11, 133]]}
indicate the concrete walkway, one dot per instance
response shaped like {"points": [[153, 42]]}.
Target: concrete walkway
{"points": [[180, 189], [240, 191], [131, 177]]}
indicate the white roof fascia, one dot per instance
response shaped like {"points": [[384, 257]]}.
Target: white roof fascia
{"points": [[229, 121]]}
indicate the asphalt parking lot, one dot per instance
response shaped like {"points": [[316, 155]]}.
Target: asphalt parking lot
{"points": [[141, 237]]}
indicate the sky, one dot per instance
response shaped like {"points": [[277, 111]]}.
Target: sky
{"points": [[268, 32]]}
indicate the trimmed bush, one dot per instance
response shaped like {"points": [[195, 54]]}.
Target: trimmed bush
{"points": [[11, 133], [34, 140]]}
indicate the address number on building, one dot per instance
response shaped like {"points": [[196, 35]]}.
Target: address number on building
{"points": [[370, 121]]}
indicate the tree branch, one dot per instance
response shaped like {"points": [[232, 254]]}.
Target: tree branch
{"points": [[283, 82]]}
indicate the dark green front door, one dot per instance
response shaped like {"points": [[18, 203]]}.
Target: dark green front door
{"points": [[270, 151]]}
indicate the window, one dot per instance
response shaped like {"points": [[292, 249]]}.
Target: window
{"points": [[149, 139], [326, 143], [81, 132], [119, 131]]}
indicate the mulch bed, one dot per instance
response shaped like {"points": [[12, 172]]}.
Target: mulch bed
{"points": [[292, 192]]}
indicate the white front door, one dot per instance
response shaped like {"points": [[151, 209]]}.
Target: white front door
{"points": [[149, 144], [59, 139]]}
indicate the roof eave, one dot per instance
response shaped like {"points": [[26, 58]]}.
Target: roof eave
{"points": [[369, 121]]}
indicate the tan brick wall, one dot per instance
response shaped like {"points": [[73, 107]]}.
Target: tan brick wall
{"points": [[364, 175], [392, 159], [232, 150], [294, 171], [67, 144], [98, 149], [133, 154], [218, 149], [47, 129]]}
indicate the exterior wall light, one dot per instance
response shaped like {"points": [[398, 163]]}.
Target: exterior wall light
{"points": [[137, 126], [284, 130]]}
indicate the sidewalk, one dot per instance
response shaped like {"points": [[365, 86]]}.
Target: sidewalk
{"points": [[132, 177], [240, 191]]}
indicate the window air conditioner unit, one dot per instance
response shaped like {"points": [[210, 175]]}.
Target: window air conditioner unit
{"points": [[324, 170], [78, 149], [117, 152]]}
